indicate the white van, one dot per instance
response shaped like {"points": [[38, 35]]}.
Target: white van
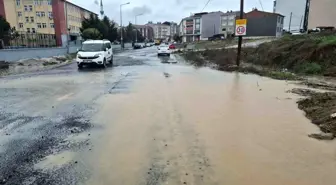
{"points": [[95, 52]]}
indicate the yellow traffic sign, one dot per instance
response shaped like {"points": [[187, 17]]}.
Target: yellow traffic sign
{"points": [[241, 21]]}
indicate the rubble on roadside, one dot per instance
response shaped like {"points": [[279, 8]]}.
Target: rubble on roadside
{"points": [[30, 65]]}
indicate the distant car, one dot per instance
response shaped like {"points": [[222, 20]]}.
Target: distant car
{"points": [[95, 52], [163, 49], [172, 46], [148, 44], [137, 46]]}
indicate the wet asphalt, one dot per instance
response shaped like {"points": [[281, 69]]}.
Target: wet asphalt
{"points": [[150, 120]]}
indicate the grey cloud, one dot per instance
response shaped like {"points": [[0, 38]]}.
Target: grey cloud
{"points": [[142, 10]]}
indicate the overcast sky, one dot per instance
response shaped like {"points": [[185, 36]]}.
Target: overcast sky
{"points": [[167, 10]]}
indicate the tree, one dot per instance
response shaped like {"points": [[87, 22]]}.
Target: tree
{"points": [[92, 33], [177, 38], [4, 30], [105, 26]]}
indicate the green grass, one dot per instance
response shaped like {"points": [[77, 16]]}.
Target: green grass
{"points": [[328, 40], [308, 68]]}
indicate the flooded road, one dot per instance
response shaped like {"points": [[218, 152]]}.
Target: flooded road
{"points": [[151, 121]]}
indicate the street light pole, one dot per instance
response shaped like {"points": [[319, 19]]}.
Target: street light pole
{"points": [[136, 29], [240, 38], [121, 27]]}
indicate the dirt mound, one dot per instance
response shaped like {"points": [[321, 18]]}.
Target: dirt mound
{"points": [[303, 54], [321, 109]]}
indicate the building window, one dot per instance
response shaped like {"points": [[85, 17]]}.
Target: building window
{"points": [[19, 14], [20, 25], [197, 21], [32, 19], [52, 25], [39, 25], [27, 19], [230, 23], [36, 2], [30, 8], [28, 30], [18, 2], [25, 8], [42, 14], [33, 30], [38, 14], [224, 23], [50, 14], [44, 25], [225, 17], [49, 2], [197, 26]]}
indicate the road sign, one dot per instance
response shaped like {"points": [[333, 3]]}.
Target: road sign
{"points": [[241, 27]]}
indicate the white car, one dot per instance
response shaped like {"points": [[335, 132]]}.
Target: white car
{"points": [[163, 49], [148, 44], [95, 52]]}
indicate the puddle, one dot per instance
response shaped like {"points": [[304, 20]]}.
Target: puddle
{"points": [[55, 161]]}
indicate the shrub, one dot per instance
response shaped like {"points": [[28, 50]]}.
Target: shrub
{"points": [[309, 68]]}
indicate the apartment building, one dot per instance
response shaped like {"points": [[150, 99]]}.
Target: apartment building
{"points": [[146, 31], [322, 13], [200, 26], [161, 31], [264, 24], [228, 22], [173, 29], [58, 17]]}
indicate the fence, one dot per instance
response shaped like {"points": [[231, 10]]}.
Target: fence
{"points": [[28, 40]]}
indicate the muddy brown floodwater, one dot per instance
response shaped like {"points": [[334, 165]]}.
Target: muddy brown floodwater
{"points": [[200, 126]]}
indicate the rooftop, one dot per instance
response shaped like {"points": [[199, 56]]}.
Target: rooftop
{"points": [[80, 7], [263, 12]]}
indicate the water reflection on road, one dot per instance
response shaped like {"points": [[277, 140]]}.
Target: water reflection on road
{"points": [[201, 126]]}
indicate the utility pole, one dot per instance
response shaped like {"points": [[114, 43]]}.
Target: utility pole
{"points": [[136, 29], [290, 22], [121, 27], [240, 38], [301, 23]]}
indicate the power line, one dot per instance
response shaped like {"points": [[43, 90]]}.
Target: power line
{"points": [[206, 5], [262, 7]]}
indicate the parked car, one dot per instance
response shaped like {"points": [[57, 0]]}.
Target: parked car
{"points": [[216, 37], [97, 52], [172, 46], [137, 46], [163, 49], [148, 44]]}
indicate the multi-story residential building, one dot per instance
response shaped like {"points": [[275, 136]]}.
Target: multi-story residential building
{"points": [[161, 31], [295, 8], [228, 21], [190, 28], [210, 24], [261, 24], [173, 29], [200, 26], [58, 17], [146, 31], [322, 13]]}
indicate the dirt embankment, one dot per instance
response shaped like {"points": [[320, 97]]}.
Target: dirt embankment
{"points": [[312, 54], [321, 110]]}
